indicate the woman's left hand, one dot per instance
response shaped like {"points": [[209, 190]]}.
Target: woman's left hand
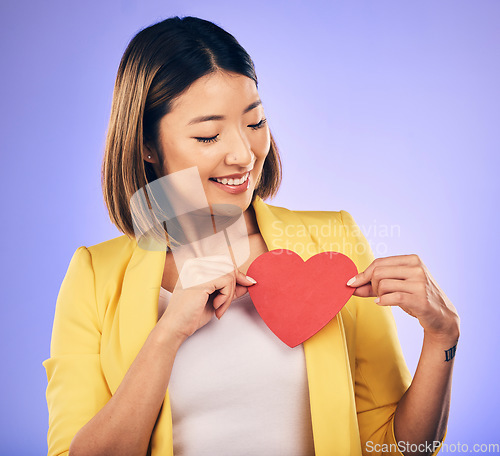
{"points": [[405, 281]]}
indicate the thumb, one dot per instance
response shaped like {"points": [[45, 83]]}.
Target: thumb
{"points": [[242, 283], [243, 279]]}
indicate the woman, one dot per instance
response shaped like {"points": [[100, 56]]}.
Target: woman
{"points": [[127, 326]]}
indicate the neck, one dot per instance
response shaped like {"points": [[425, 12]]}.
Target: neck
{"points": [[251, 221]]}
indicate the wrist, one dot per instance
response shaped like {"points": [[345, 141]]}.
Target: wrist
{"points": [[445, 336], [442, 338], [443, 346], [166, 334]]}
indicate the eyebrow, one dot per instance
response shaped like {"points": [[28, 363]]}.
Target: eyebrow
{"points": [[218, 117]]}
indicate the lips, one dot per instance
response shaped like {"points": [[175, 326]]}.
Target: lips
{"points": [[243, 186], [232, 179], [231, 176]]}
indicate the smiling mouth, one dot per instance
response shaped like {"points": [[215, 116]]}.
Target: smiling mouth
{"points": [[231, 181]]}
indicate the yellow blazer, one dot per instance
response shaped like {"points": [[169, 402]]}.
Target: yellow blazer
{"points": [[108, 304]]}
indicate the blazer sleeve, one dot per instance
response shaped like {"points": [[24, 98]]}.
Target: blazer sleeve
{"points": [[76, 388], [381, 373]]}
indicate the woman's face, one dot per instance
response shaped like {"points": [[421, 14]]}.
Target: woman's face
{"points": [[217, 125]]}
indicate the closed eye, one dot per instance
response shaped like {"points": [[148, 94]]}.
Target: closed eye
{"points": [[207, 140], [213, 139], [258, 125]]}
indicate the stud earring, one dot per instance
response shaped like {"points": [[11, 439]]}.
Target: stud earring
{"points": [[149, 156]]}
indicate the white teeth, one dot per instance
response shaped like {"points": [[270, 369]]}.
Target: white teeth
{"points": [[226, 181]]}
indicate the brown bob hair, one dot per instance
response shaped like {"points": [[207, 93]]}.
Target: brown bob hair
{"points": [[158, 65]]}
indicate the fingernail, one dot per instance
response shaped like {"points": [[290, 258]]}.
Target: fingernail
{"points": [[251, 280], [351, 281], [377, 300]]}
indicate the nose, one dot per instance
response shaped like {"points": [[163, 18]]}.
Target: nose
{"points": [[239, 151]]}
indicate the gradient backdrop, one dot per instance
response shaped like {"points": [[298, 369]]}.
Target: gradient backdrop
{"points": [[386, 109]]}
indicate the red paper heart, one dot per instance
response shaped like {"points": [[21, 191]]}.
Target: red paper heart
{"points": [[296, 298]]}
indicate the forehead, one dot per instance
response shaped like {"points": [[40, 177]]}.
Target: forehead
{"points": [[215, 93]]}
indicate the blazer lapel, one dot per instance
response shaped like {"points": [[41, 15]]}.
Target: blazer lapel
{"points": [[136, 314], [328, 369]]}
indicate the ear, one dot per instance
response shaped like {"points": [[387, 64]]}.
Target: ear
{"points": [[149, 154]]}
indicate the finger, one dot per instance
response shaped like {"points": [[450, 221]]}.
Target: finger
{"points": [[398, 260], [222, 309], [239, 291], [231, 278], [400, 299], [233, 287], [386, 286], [225, 288], [240, 282], [365, 291], [403, 273], [218, 300]]}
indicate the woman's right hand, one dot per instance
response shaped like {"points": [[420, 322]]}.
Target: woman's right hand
{"points": [[206, 285]]}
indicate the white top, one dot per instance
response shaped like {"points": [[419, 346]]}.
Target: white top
{"points": [[236, 389]]}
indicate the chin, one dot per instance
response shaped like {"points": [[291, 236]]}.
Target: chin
{"points": [[238, 200]]}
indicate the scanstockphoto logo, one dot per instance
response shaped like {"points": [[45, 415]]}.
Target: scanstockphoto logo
{"points": [[172, 213], [431, 447]]}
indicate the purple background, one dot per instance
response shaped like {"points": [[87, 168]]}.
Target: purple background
{"points": [[386, 109]]}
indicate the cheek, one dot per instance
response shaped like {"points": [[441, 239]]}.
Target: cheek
{"points": [[179, 155], [261, 144]]}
